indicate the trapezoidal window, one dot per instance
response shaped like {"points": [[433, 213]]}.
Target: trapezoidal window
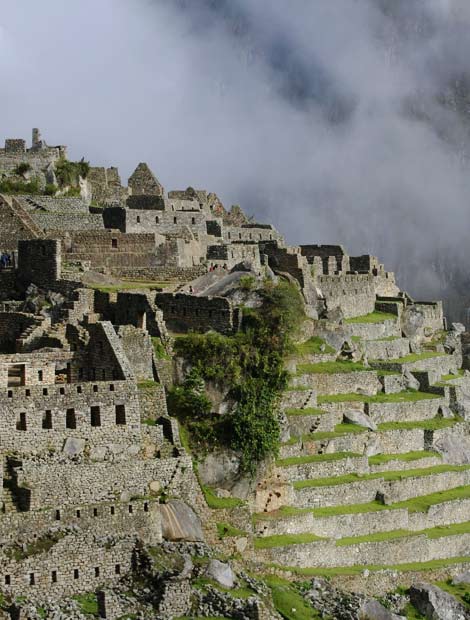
{"points": [[120, 414], [16, 375], [21, 422], [70, 419], [95, 416], [157, 220], [114, 243], [47, 420]]}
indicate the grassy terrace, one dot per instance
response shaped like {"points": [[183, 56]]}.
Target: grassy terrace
{"points": [[412, 357], [455, 529], [416, 504], [340, 431], [306, 411], [283, 540], [373, 317], [314, 346], [379, 459], [358, 570], [220, 502], [316, 458], [410, 396], [330, 368], [428, 425], [386, 475]]}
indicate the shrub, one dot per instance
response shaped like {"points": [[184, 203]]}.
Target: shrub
{"points": [[68, 172], [22, 169], [250, 365]]}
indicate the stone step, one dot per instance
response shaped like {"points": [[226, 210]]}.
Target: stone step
{"points": [[393, 440], [406, 549], [304, 421], [385, 349], [363, 381], [339, 464], [392, 486], [339, 523]]}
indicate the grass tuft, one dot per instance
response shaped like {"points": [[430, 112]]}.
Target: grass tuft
{"points": [[284, 540]]}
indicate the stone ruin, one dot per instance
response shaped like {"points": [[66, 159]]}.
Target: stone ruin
{"points": [[90, 455]]}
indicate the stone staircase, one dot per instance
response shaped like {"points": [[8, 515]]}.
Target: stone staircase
{"points": [[350, 496]]}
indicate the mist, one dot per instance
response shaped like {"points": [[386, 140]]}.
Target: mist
{"points": [[341, 121]]}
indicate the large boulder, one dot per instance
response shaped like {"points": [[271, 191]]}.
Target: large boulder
{"points": [[73, 446], [373, 610], [411, 382], [221, 572], [458, 327], [353, 416], [180, 522], [435, 604], [463, 578], [412, 322], [219, 469], [453, 449]]}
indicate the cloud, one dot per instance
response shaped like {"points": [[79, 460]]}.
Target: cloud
{"points": [[340, 121]]}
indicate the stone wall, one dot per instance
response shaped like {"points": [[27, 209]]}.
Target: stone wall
{"points": [[14, 225], [354, 294], [340, 383], [39, 261], [138, 348], [183, 313]]}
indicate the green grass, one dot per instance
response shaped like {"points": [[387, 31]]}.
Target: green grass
{"points": [[415, 504], [149, 384], [386, 475], [284, 512], [428, 425], [88, 603], [373, 317], [378, 459], [460, 374], [435, 532], [411, 613], [283, 540], [358, 570], [220, 502], [386, 339], [316, 458], [330, 368], [313, 346], [242, 592], [398, 397], [307, 411], [159, 349], [226, 530], [461, 591], [288, 602], [412, 357]]}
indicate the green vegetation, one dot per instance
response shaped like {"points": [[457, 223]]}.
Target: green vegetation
{"points": [[398, 397], [415, 504], [378, 459], [250, 365], [88, 603], [220, 502], [455, 529], [283, 540], [316, 458], [38, 546], [282, 513], [225, 530], [412, 357], [242, 592], [307, 411], [22, 169], [460, 373], [330, 368], [461, 591], [428, 425], [288, 601], [358, 570], [373, 317], [247, 283], [159, 349], [386, 475], [148, 384], [314, 346], [69, 172], [412, 613], [9, 186]]}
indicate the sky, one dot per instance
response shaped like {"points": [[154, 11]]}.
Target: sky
{"points": [[336, 120]]}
